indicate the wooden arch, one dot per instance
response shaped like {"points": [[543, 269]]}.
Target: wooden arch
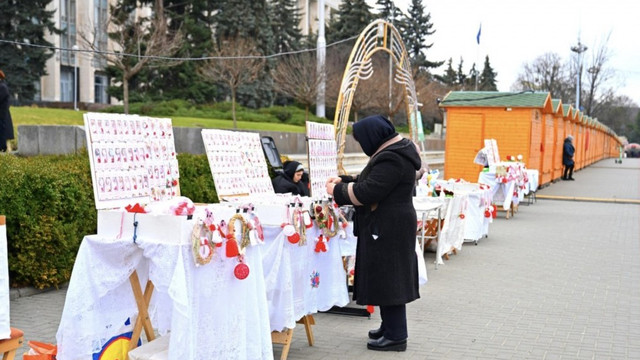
{"points": [[380, 35]]}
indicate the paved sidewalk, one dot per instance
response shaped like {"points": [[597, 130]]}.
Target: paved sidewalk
{"points": [[559, 280]]}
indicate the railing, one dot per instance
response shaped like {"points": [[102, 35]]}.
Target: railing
{"points": [[355, 162]]}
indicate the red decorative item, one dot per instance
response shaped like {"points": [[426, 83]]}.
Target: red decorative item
{"points": [[487, 213], [232, 247], [241, 271], [294, 238], [461, 216]]}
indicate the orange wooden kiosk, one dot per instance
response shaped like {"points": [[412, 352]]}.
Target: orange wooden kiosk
{"points": [[526, 123]]}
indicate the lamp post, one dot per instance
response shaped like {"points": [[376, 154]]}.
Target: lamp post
{"points": [[75, 77], [578, 49], [321, 48]]}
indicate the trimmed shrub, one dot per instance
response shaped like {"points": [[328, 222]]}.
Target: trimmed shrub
{"points": [[48, 201], [196, 181]]}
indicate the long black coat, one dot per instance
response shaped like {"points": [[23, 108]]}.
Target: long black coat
{"points": [[386, 270], [6, 124], [567, 153]]}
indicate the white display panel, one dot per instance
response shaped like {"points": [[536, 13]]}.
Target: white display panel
{"points": [[323, 157], [237, 163], [132, 158]]}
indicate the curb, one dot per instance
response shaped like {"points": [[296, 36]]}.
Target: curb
{"points": [[588, 199], [16, 293]]}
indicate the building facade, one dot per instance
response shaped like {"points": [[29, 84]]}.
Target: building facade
{"points": [[78, 77]]}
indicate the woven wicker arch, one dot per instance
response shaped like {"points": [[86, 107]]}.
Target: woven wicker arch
{"points": [[380, 35]]}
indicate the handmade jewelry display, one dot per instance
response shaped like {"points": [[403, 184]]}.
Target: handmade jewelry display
{"points": [[132, 158], [323, 156], [237, 163]]}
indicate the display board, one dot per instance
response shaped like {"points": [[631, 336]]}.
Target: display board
{"points": [[132, 158], [237, 163], [323, 156], [491, 150]]}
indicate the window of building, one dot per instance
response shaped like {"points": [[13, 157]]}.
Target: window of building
{"points": [[101, 16], [101, 84], [66, 84], [68, 25]]}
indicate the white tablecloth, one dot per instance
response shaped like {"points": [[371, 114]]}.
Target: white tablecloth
{"points": [[5, 330], [290, 271], [532, 184], [210, 313], [452, 233]]}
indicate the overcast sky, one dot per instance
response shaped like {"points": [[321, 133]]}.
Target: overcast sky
{"points": [[515, 32]]}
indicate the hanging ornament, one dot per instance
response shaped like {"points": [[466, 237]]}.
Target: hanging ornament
{"points": [[200, 244], [241, 271]]}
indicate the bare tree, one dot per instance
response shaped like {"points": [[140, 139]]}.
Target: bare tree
{"points": [[139, 41], [235, 61], [597, 75], [296, 76], [545, 73]]}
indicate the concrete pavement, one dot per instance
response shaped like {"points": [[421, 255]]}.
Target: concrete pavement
{"points": [[559, 280]]}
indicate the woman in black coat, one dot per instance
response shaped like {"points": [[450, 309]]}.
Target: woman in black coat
{"points": [[386, 272], [567, 158], [6, 124], [290, 180]]}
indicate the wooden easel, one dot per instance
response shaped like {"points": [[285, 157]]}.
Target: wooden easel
{"points": [[285, 337], [142, 300]]}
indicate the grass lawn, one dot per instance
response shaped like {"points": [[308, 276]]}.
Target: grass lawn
{"points": [[25, 115]]}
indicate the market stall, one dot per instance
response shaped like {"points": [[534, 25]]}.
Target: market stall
{"points": [[478, 214], [195, 304], [159, 264], [452, 210], [508, 183]]}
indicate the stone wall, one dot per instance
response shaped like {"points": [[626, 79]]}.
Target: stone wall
{"points": [[61, 139]]}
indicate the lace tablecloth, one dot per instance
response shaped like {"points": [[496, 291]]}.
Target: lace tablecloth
{"points": [[210, 313], [452, 233], [300, 281]]}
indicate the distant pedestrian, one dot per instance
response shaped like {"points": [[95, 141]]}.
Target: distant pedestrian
{"points": [[6, 124], [567, 158]]}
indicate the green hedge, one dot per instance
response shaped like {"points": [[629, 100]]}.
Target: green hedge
{"points": [[49, 205]]}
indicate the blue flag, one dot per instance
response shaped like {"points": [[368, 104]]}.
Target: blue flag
{"points": [[478, 36]]}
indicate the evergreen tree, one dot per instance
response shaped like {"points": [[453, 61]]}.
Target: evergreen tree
{"points": [[473, 77], [388, 11], [460, 75], [488, 77], [195, 18], [25, 22], [351, 18], [417, 27], [249, 19], [285, 22], [450, 76]]}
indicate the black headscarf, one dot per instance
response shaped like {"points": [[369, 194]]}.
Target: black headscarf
{"points": [[373, 131], [291, 167]]}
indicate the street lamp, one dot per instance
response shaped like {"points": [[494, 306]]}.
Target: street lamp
{"points": [[578, 49], [75, 77]]}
